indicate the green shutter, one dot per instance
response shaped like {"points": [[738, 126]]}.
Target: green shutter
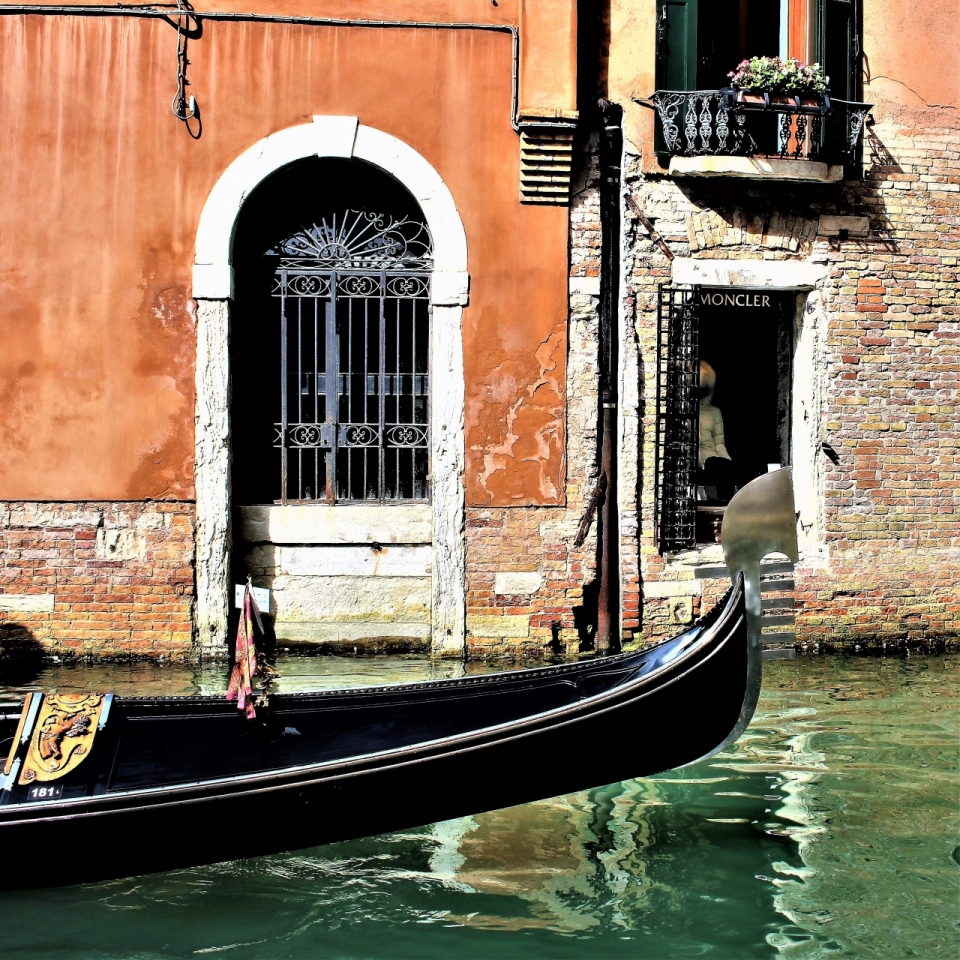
{"points": [[676, 52], [838, 46], [838, 52], [677, 44]]}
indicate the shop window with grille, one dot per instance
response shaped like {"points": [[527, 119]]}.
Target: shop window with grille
{"points": [[678, 418], [747, 338]]}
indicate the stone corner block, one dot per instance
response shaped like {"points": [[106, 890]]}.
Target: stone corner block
{"points": [[831, 226], [671, 588], [212, 281], [336, 135], [498, 626], [517, 584], [450, 288], [585, 286], [27, 602]]}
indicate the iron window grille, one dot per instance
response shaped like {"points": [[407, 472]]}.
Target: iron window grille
{"points": [[678, 417], [355, 360]]}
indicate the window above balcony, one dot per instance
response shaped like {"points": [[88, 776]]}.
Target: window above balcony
{"points": [[705, 128]]}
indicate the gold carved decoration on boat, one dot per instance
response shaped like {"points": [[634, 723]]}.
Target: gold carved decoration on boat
{"points": [[62, 736]]}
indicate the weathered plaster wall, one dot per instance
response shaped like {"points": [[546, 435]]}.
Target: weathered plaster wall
{"points": [[548, 67], [98, 373], [910, 65], [529, 588]]}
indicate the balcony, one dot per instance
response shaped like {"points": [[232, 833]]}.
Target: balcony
{"points": [[738, 133]]}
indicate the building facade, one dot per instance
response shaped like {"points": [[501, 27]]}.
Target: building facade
{"points": [[334, 322], [826, 301]]}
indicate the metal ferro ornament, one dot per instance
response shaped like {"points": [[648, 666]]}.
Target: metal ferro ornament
{"points": [[62, 736], [759, 520]]}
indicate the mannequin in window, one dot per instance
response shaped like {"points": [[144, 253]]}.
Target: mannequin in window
{"points": [[716, 467]]}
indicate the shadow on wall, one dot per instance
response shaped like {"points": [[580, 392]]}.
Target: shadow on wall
{"points": [[585, 616], [21, 656], [879, 165]]}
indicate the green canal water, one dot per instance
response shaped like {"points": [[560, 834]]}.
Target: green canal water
{"points": [[831, 829]]}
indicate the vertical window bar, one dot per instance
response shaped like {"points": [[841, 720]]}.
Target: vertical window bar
{"points": [[381, 399], [283, 386], [678, 418], [299, 394], [398, 393], [427, 394], [315, 391], [346, 372], [332, 371]]}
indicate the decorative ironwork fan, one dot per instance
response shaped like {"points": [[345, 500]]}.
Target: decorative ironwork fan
{"points": [[361, 239]]}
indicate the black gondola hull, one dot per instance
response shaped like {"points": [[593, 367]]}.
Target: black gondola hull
{"points": [[503, 739]]}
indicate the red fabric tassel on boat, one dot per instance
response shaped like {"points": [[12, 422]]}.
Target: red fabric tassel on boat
{"points": [[240, 687]]}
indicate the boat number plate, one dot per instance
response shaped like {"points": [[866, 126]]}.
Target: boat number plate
{"points": [[52, 792]]}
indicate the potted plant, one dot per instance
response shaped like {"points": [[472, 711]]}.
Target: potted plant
{"points": [[762, 82]]}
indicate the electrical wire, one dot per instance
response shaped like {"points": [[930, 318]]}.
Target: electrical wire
{"points": [[155, 11]]}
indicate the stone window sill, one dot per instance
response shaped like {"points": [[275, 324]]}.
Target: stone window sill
{"points": [[341, 524], [756, 168]]}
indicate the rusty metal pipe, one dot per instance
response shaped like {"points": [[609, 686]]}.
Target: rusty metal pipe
{"points": [[607, 637]]}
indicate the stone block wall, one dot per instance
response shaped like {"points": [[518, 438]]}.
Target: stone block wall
{"points": [[883, 550], [97, 579]]}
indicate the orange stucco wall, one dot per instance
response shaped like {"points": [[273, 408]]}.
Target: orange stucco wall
{"points": [[101, 190], [910, 59]]}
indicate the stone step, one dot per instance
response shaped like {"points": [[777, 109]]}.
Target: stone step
{"points": [[777, 603], [787, 653], [786, 620], [719, 571], [771, 638]]}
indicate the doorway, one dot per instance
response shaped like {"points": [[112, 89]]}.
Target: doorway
{"points": [[330, 348]]}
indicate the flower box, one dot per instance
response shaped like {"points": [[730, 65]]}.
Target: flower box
{"points": [[737, 98]]}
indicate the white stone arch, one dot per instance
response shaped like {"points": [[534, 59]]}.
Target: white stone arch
{"points": [[328, 136]]}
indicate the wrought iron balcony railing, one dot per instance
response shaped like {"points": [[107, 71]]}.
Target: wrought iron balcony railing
{"points": [[731, 122]]}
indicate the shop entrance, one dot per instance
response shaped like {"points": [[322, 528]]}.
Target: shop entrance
{"points": [[746, 337], [724, 402]]}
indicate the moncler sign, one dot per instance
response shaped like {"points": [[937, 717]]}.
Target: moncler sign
{"points": [[709, 299]]}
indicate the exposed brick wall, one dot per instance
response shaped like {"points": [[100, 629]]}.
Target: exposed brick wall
{"points": [[888, 368], [519, 540], [101, 579]]}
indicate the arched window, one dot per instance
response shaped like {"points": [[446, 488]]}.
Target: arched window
{"points": [[346, 337]]}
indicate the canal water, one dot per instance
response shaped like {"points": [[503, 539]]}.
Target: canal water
{"points": [[831, 829]]}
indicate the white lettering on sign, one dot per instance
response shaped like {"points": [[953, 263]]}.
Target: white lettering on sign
{"points": [[260, 594], [735, 299]]}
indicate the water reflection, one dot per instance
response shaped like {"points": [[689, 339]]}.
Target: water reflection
{"points": [[827, 830]]}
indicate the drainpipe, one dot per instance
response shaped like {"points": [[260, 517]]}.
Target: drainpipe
{"points": [[607, 639]]}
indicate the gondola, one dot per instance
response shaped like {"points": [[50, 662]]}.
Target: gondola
{"points": [[167, 782]]}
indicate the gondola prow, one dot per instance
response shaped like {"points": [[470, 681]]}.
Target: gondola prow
{"points": [[760, 520]]}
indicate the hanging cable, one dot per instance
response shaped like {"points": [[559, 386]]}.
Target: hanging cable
{"points": [[184, 107], [154, 11]]}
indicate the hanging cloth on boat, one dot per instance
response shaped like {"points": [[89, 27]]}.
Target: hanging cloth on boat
{"points": [[245, 666]]}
